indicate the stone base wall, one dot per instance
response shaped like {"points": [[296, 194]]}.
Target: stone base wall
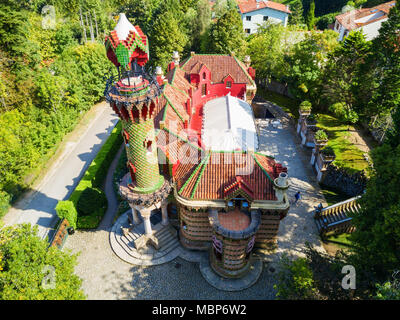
{"points": [[198, 232], [268, 231], [195, 227], [233, 257], [350, 184]]}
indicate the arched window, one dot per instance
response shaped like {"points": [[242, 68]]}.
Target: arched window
{"points": [[204, 76]]}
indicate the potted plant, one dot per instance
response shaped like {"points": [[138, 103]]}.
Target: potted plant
{"points": [[328, 154], [305, 108], [320, 137]]}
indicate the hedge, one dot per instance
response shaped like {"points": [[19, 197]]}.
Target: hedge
{"points": [[91, 199], [67, 210], [93, 178]]}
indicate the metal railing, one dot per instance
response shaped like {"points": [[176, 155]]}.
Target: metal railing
{"points": [[142, 94]]}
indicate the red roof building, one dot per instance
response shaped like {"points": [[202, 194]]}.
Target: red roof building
{"points": [[229, 196], [368, 20]]}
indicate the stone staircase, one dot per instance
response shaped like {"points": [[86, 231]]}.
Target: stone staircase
{"points": [[336, 218], [123, 244]]}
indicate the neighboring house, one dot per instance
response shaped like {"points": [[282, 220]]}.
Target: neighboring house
{"points": [[368, 20], [257, 12]]}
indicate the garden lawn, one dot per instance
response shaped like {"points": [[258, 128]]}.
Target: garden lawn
{"points": [[333, 196], [342, 240], [348, 156]]}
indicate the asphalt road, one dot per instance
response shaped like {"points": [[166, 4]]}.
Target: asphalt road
{"points": [[62, 178]]}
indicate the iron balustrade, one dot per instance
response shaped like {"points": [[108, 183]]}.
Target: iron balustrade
{"points": [[142, 94]]}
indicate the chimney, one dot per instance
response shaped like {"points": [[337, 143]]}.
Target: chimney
{"points": [[247, 61], [159, 75], [281, 184], [175, 57], [287, 7]]}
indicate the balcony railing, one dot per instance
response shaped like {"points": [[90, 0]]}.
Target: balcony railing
{"points": [[127, 92]]}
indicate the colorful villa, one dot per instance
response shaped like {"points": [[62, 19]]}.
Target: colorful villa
{"points": [[190, 139]]}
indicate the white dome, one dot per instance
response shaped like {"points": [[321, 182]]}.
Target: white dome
{"points": [[123, 27]]}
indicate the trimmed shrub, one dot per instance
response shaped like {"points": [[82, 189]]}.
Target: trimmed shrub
{"points": [[66, 209], [305, 106], [321, 135], [328, 151], [106, 156], [90, 201]]}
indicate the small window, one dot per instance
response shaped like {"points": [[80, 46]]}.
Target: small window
{"points": [[265, 18], [247, 30], [204, 90], [248, 18], [204, 75], [229, 84]]}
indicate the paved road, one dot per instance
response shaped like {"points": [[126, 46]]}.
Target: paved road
{"points": [[62, 178]]}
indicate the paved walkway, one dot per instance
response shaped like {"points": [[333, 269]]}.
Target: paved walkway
{"points": [[105, 276], [298, 226], [61, 179]]}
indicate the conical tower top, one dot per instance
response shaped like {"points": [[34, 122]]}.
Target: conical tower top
{"points": [[127, 44], [123, 27]]}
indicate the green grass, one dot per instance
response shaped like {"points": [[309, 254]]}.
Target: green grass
{"points": [[348, 156], [333, 196], [341, 240], [289, 105]]}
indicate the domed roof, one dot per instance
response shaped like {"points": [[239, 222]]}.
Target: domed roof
{"points": [[123, 27]]}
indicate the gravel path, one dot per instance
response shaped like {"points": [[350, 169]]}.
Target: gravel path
{"points": [[105, 276]]}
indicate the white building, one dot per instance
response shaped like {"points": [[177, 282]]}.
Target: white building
{"points": [[368, 20], [257, 12]]}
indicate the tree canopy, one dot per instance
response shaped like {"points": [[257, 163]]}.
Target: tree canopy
{"points": [[30, 271]]}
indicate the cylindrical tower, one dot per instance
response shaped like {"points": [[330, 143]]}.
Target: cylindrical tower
{"points": [[134, 95]]}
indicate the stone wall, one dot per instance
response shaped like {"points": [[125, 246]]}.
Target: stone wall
{"points": [[350, 184], [268, 230], [195, 228], [275, 86]]}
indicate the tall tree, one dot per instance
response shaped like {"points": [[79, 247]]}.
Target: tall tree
{"points": [[310, 18], [296, 17], [267, 49], [166, 37], [377, 236], [307, 64], [200, 23], [387, 63], [227, 34], [342, 73]]}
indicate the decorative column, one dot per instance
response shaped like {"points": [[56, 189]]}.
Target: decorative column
{"points": [[135, 217], [164, 213], [145, 213]]}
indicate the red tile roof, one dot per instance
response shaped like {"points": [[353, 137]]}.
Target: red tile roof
{"points": [[218, 170], [220, 66], [251, 5], [347, 19]]}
